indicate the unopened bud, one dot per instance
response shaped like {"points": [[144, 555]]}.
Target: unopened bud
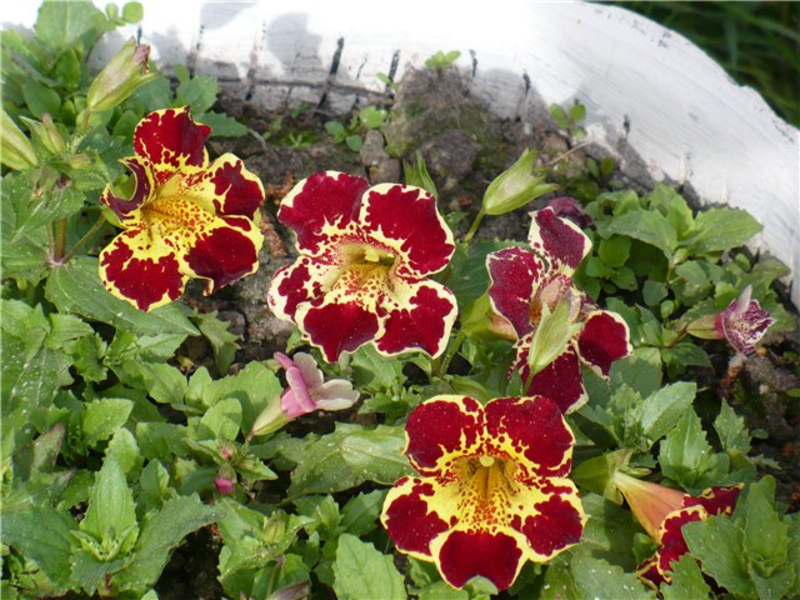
{"points": [[46, 133], [705, 328], [122, 76], [16, 150], [515, 187]]}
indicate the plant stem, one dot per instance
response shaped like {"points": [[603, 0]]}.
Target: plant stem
{"points": [[344, 365], [60, 241], [442, 367], [474, 227], [89, 235]]}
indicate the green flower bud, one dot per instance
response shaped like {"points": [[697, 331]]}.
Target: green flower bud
{"points": [[515, 187], [46, 133], [16, 150], [122, 76]]}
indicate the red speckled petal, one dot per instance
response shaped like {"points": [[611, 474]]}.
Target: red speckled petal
{"points": [[648, 572], [716, 500], [228, 188], [321, 205], [143, 271], [560, 240], [305, 280], [406, 220], [170, 139], [462, 555], [550, 524], [421, 317], [531, 432], [560, 381], [144, 184], [443, 430], [603, 339], [338, 324], [409, 518], [513, 273], [225, 253], [672, 544]]}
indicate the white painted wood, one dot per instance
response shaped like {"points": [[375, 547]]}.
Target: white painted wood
{"points": [[688, 120]]}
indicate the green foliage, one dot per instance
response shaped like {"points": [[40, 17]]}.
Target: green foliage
{"points": [[442, 60], [354, 559]]}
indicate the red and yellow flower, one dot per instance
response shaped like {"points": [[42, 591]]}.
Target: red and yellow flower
{"points": [[185, 219], [362, 275], [555, 326], [663, 512], [493, 491]]}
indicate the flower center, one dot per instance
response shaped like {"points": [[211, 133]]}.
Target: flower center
{"points": [[487, 488], [367, 255]]}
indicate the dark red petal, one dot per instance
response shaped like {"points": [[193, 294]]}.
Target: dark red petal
{"points": [[328, 197], [648, 570], [425, 325], [535, 428], [396, 213], [465, 555], [558, 238], [171, 138], [603, 340], [560, 381], [144, 282], [716, 500], [225, 255], [289, 287], [337, 328], [408, 521], [513, 272], [438, 428], [140, 169], [237, 194], [557, 526]]}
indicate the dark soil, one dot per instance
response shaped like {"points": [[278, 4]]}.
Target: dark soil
{"points": [[464, 147]]}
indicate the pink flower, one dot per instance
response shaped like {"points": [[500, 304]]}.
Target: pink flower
{"points": [[743, 323], [307, 392], [224, 485]]}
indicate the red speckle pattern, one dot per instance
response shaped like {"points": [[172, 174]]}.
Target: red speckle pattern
{"points": [[603, 340], [513, 272], [145, 282], [291, 282], [408, 521], [422, 326], [557, 526], [535, 429], [223, 257], [439, 427], [324, 198], [338, 328], [236, 194], [171, 137], [409, 215], [141, 192], [560, 381], [558, 238], [465, 555]]}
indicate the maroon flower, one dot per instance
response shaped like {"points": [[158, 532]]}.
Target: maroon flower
{"points": [[743, 323], [569, 208], [365, 255], [557, 327]]}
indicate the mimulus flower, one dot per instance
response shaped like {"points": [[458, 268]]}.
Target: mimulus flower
{"points": [[492, 492], [307, 392], [743, 323], [557, 327], [185, 219], [663, 512], [365, 255]]}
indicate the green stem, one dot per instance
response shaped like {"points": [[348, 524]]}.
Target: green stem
{"points": [[450, 354], [344, 365], [60, 241], [88, 236], [474, 227]]}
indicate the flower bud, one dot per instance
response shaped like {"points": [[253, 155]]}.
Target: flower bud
{"points": [[225, 481], [46, 133], [515, 187], [271, 419], [16, 150], [122, 76]]}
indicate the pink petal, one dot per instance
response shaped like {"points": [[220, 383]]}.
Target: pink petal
{"points": [[308, 368]]}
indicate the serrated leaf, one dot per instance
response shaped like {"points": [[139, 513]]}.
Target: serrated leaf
{"points": [[163, 382], [661, 411], [360, 514], [76, 288], [124, 449], [223, 343], [354, 559], [650, 227], [687, 457], [719, 229], [732, 431], [596, 578], [222, 421], [222, 125], [160, 535], [766, 537], [63, 24], [610, 530], [102, 418], [687, 581], [641, 371]]}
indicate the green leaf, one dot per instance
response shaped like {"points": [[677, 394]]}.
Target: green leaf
{"points": [[354, 142], [76, 288], [124, 449], [354, 559], [720, 229], [222, 421], [160, 535], [766, 537], [687, 581], [163, 382], [132, 12], [649, 227], [360, 514], [609, 533], [63, 24], [687, 457], [732, 431], [102, 418], [199, 92], [718, 544], [222, 125], [372, 117], [596, 474], [223, 343], [661, 411], [44, 535], [596, 578], [467, 276], [615, 250], [641, 371]]}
